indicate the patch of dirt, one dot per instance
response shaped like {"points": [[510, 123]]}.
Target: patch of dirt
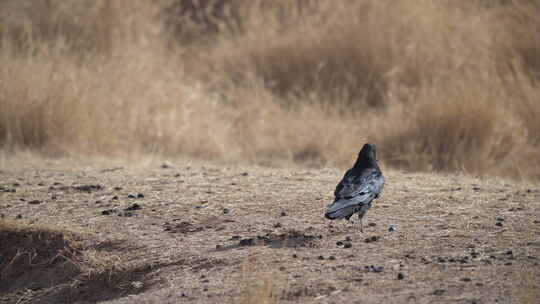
{"points": [[211, 233], [50, 266], [289, 239]]}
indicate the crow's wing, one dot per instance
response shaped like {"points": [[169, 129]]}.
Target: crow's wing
{"points": [[367, 183]]}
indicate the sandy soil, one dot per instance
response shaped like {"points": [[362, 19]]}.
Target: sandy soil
{"points": [[197, 232]]}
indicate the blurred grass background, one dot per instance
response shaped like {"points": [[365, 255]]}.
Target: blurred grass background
{"points": [[437, 85]]}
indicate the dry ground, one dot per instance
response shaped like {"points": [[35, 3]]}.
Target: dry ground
{"points": [[199, 232]]}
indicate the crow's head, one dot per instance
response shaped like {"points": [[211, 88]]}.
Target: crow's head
{"points": [[368, 152]]}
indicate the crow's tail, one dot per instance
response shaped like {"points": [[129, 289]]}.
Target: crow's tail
{"points": [[340, 209]]}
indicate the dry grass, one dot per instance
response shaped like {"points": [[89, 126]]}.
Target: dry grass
{"points": [[439, 85]]}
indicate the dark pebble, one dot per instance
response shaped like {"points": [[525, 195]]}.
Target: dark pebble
{"points": [[183, 295], [133, 207], [117, 188], [466, 279], [115, 197], [108, 212], [53, 197], [18, 216], [98, 202], [476, 188], [508, 263], [34, 202], [283, 213], [131, 196], [140, 195], [400, 276], [509, 252], [377, 269], [321, 257], [247, 242], [277, 225], [499, 219], [245, 174], [16, 185], [372, 224], [391, 228], [235, 237], [339, 243], [218, 246], [347, 245], [499, 224], [226, 211], [332, 257], [294, 256], [372, 239], [439, 292]]}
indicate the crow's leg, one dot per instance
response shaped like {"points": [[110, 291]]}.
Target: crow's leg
{"points": [[360, 216]]}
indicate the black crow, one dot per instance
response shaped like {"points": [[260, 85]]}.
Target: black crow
{"points": [[359, 187]]}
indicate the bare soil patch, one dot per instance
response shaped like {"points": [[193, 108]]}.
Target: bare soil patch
{"points": [[205, 233]]}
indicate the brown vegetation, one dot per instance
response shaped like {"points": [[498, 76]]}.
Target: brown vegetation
{"points": [[439, 85]]}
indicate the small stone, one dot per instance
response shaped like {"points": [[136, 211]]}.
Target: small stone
{"points": [[499, 224], [115, 197], [439, 292], [499, 219], [391, 228], [294, 256], [247, 242], [226, 211], [18, 216], [53, 197], [283, 213], [332, 257], [218, 246], [16, 185], [107, 212], [377, 269], [133, 207], [400, 276], [339, 243], [277, 225], [466, 279], [34, 202], [347, 245], [321, 257], [244, 174], [372, 224], [140, 195], [131, 196], [98, 202]]}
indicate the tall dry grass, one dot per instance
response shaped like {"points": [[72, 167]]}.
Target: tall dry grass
{"points": [[438, 85]]}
